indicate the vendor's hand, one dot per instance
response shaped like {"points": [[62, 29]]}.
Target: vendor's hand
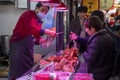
{"points": [[50, 33], [53, 34], [73, 36]]}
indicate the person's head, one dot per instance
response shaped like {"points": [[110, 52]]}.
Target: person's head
{"points": [[117, 20], [82, 11], [92, 24], [41, 10], [98, 13]]}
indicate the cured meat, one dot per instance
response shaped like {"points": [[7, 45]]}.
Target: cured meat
{"points": [[43, 62], [66, 61], [68, 68]]}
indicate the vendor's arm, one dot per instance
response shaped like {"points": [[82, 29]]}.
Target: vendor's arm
{"points": [[34, 28], [50, 33]]}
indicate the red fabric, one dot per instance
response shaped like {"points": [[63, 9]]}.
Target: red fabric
{"points": [[111, 22], [26, 25], [13, 78]]}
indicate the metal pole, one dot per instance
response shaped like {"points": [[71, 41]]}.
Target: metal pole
{"points": [[59, 28]]}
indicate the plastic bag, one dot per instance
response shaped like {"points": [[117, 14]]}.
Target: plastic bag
{"points": [[49, 19], [47, 43], [83, 76]]}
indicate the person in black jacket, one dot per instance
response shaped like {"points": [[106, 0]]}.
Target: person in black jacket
{"points": [[117, 25], [98, 55], [76, 24], [116, 34]]}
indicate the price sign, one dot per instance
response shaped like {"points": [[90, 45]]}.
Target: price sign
{"points": [[106, 4], [91, 4]]}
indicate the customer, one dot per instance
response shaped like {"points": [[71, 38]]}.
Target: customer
{"points": [[99, 55], [117, 25], [114, 34], [21, 42], [76, 24]]}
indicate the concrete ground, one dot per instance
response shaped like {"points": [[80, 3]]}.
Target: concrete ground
{"points": [[3, 78]]}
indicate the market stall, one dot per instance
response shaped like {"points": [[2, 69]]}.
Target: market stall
{"points": [[60, 66]]}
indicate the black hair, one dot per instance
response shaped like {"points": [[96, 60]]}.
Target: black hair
{"points": [[82, 9], [38, 5], [93, 21], [117, 18], [99, 14]]}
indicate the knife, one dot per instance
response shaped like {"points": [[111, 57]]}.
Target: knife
{"points": [[59, 33]]}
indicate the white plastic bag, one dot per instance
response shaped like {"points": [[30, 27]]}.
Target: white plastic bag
{"points": [[49, 20]]}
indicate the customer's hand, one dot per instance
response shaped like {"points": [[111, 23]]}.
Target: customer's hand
{"points": [[73, 36]]}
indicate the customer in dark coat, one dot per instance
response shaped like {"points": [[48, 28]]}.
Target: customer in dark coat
{"points": [[116, 34], [99, 55], [76, 24]]}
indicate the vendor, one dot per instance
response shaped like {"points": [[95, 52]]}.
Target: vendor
{"points": [[27, 28]]}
